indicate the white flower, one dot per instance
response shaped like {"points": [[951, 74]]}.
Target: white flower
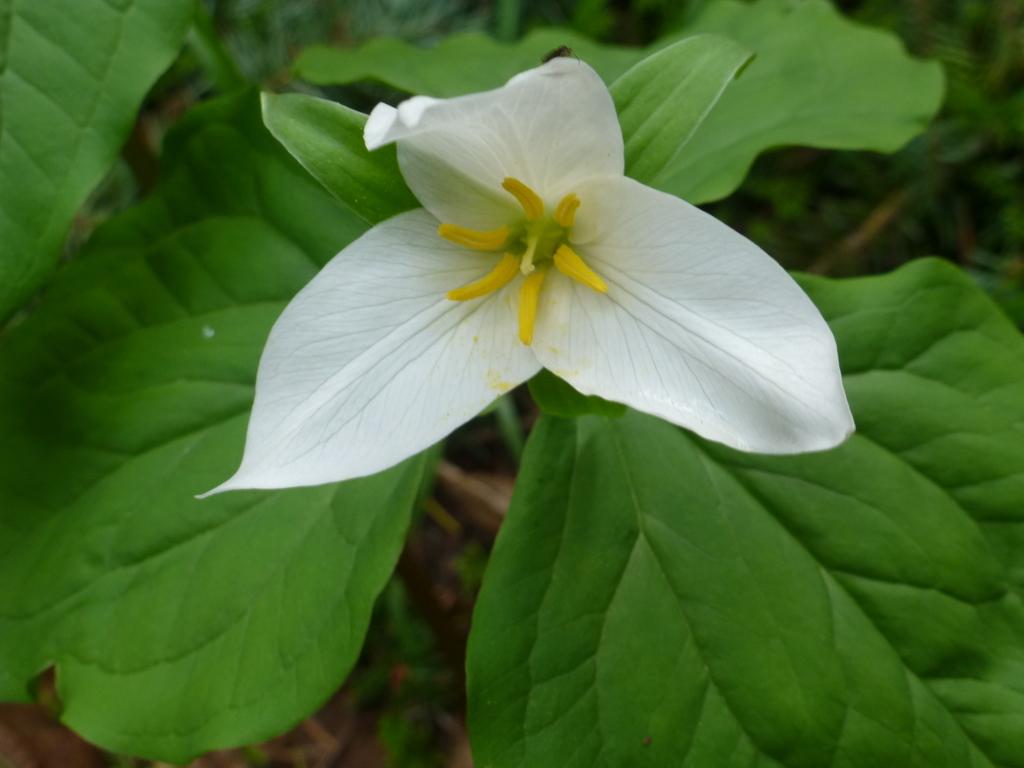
{"points": [[533, 250]]}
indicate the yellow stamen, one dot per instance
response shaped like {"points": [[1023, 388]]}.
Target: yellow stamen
{"points": [[565, 211], [497, 278], [570, 264], [530, 200], [478, 240], [529, 296]]}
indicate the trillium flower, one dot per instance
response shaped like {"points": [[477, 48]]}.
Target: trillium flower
{"points": [[533, 249]]}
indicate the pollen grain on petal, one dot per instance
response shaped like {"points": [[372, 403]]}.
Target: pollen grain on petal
{"points": [[565, 211], [475, 239], [529, 297], [570, 264], [497, 278], [532, 204]]}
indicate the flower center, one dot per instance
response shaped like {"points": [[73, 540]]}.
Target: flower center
{"points": [[531, 246]]}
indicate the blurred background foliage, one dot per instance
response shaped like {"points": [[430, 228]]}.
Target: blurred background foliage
{"points": [[954, 192]]}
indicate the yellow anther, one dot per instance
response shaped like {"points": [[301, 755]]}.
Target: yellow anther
{"points": [[529, 296], [478, 240], [497, 278], [565, 211], [570, 264], [530, 200]]}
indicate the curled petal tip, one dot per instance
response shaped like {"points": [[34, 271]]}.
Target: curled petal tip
{"points": [[387, 124], [378, 124]]}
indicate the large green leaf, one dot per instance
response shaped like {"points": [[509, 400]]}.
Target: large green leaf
{"points": [[816, 80], [657, 600], [72, 75], [180, 625], [327, 139], [557, 397], [664, 98], [459, 64]]}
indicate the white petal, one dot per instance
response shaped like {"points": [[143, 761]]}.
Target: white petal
{"points": [[699, 326], [370, 363], [550, 127]]}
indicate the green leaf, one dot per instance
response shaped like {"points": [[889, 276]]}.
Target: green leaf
{"points": [[327, 138], [654, 599], [816, 80], [458, 64], [72, 76], [557, 397], [178, 626], [663, 99]]}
